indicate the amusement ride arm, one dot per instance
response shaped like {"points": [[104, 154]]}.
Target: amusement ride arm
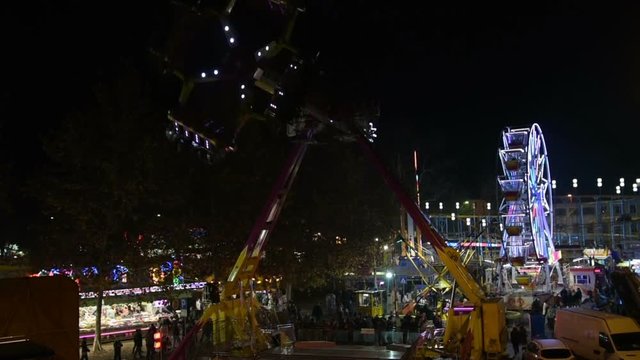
{"points": [[247, 262]]}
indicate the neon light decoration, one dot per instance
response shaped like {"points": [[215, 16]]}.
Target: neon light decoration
{"points": [[143, 290]]}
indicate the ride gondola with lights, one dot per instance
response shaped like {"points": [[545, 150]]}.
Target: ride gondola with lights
{"points": [[526, 209]]}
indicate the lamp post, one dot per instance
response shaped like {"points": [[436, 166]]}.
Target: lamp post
{"points": [[457, 228], [389, 275], [574, 184], [599, 184], [375, 270], [598, 210]]}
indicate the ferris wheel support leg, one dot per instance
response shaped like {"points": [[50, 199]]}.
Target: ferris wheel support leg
{"points": [[502, 280], [560, 273], [547, 277]]}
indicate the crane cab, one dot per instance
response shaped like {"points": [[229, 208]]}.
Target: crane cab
{"points": [[370, 302]]}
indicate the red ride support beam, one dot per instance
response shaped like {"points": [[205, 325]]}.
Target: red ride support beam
{"points": [[247, 262]]}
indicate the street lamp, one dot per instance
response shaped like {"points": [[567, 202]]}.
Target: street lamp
{"points": [[488, 206], [575, 183], [468, 221], [553, 184], [426, 205], [598, 209], [453, 216], [457, 205], [621, 183], [440, 206], [635, 188], [617, 189], [375, 270]]}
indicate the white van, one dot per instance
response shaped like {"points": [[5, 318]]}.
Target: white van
{"points": [[597, 335]]}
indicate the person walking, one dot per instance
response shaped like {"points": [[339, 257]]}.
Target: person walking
{"points": [[84, 348], [137, 344], [149, 342], [207, 332]]}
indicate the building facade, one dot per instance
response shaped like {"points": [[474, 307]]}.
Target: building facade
{"points": [[580, 221], [595, 221]]}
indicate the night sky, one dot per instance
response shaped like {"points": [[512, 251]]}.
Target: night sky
{"points": [[448, 76]]}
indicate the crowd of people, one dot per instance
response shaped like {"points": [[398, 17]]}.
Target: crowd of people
{"points": [[337, 319]]}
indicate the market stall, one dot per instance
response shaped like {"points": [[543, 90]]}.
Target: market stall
{"points": [[124, 310]]}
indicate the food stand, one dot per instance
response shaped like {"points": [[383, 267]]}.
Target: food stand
{"points": [[370, 302]]}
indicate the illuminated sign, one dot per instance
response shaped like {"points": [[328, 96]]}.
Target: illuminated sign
{"points": [[476, 244]]}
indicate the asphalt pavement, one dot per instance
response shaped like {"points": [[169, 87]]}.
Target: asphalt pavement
{"points": [[107, 352]]}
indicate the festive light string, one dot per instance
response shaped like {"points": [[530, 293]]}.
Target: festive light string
{"points": [[143, 290]]}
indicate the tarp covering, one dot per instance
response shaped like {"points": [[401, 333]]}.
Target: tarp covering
{"points": [[43, 310], [24, 350]]}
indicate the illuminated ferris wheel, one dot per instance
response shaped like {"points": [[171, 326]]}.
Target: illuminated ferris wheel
{"points": [[526, 208]]}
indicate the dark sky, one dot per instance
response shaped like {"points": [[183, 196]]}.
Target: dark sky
{"points": [[449, 76]]}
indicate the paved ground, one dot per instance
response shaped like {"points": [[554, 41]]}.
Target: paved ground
{"points": [[107, 352], [127, 348]]}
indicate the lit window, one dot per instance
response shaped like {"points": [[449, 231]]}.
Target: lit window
{"points": [[582, 279]]}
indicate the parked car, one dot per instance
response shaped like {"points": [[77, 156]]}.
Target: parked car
{"points": [[597, 335], [542, 349]]}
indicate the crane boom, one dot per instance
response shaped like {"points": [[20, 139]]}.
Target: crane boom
{"points": [[449, 256], [480, 333]]}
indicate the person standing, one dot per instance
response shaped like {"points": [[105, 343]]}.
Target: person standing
{"points": [[405, 326], [117, 350], [380, 325], [84, 348], [516, 338], [551, 317], [175, 329], [577, 297]]}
